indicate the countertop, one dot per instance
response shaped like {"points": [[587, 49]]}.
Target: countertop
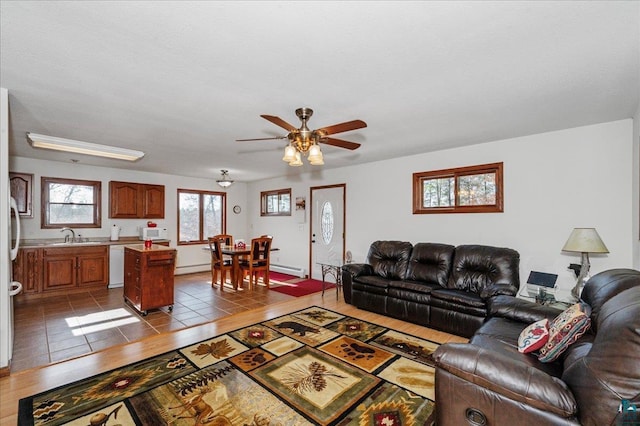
{"points": [[97, 241], [154, 247]]}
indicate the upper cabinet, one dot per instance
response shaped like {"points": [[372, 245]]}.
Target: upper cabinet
{"points": [[128, 200], [22, 192], [153, 201]]}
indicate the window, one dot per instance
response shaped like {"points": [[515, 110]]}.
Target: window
{"points": [[70, 202], [474, 189], [275, 203], [201, 214]]}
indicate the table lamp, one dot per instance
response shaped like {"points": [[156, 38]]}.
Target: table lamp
{"points": [[584, 241]]}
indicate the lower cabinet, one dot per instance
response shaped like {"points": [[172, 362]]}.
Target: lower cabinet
{"points": [[58, 269], [69, 268], [148, 277], [27, 269]]}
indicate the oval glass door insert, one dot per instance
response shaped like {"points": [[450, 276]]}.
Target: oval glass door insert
{"points": [[326, 223]]}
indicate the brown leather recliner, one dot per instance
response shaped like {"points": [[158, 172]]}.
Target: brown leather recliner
{"points": [[488, 382]]}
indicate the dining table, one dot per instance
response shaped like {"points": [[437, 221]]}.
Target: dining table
{"points": [[236, 253]]}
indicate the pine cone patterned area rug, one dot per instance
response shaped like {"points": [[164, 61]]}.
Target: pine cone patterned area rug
{"points": [[310, 367]]}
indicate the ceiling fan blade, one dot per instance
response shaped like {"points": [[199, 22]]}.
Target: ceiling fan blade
{"points": [[278, 122], [261, 139], [340, 143], [343, 127]]}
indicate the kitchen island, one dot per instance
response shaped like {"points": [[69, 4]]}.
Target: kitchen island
{"points": [[148, 276]]}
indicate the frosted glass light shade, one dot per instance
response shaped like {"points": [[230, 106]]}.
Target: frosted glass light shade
{"points": [[297, 161], [314, 153], [289, 154], [318, 160]]}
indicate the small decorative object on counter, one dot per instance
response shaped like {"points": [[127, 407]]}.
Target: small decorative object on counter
{"points": [[148, 243]]}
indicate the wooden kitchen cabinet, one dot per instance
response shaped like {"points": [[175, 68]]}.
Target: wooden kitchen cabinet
{"points": [[75, 267], [21, 185], [148, 276], [27, 269], [153, 201], [129, 200]]}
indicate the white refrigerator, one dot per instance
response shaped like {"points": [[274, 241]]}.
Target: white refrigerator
{"points": [[10, 231]]}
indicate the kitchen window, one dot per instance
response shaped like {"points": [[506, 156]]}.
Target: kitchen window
{"points": [[201, 214], [474, 189], [70, 202], [275, 203]]}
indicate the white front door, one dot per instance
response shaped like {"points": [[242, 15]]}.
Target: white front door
{"points": [[327, 227]]}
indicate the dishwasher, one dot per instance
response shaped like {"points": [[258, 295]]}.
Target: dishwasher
{"points": [[116, 266]]}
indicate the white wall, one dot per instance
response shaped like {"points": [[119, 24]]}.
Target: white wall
{"points": [[188, 256], [582, 177], [554, 182]]}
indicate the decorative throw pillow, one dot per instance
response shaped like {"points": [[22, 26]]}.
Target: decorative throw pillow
{"points": [[564, 330], [534, 336]]}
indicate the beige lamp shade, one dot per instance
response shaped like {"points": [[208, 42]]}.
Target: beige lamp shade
{"points": [[585, 240]]}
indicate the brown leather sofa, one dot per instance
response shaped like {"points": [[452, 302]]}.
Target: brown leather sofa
{"points": [[435, 285], [488, 382]]}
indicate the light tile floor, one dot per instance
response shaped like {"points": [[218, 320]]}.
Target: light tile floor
{"points": [[63, 327]]}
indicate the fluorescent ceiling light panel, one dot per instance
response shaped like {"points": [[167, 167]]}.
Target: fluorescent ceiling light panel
{"points": [[79, 147]]}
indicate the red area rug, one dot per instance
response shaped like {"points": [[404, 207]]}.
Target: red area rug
{"points": [[277, 276], [294, 286]]}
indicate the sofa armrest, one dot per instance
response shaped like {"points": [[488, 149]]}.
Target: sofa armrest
{"points": [[508, 377], [517, 309], [497, 290], [351, 271], [357, 269]]}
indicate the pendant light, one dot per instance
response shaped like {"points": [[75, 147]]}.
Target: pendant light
{"points": [[225, 182]]}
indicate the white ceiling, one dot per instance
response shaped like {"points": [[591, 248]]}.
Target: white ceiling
{"points": [[182, 80]]}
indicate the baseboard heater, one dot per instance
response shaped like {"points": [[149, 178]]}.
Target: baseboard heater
{"points": [[291, 270]]}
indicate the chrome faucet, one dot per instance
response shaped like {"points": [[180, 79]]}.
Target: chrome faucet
{"points": [[66, 237]]}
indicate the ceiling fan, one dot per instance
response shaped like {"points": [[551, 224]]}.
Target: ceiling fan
{"points": [[304, 141]]}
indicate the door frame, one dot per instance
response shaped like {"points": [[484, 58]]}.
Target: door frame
{"points": [[344, 219]]}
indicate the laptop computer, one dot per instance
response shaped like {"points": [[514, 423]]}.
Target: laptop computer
{"points": [[539, 282]]}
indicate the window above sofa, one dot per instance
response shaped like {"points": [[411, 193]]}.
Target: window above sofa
{"points": [[472, 189]]}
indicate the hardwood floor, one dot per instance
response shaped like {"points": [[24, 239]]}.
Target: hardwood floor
{"points": [[31, 381]]}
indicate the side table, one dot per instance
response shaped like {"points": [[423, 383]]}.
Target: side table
{"points": [[559, 299], [333, 268]]}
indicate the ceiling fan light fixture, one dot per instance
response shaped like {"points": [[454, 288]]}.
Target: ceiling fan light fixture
{"points": [[303, 141], [297, 162], [225, 182], [289, 154]]}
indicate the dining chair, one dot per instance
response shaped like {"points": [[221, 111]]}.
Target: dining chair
{"points": [[218, 263], [258, 261], [267, 236], [227, 240]]}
